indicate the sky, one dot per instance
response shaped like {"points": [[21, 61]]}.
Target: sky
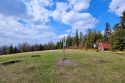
{"points": [[42, 21]]}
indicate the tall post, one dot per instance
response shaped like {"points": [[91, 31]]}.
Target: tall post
{"points": [[64, 44], [63, 50]]}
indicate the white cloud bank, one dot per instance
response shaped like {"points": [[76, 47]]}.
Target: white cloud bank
{"points": [[31, 23], [71, 15], [117, 6], [80, 21]]}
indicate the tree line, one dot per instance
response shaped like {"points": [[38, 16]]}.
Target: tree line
{"points": [[25, 47], [115, 36]]}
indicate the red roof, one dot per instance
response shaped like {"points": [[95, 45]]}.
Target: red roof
{"points": [[105, 45]]}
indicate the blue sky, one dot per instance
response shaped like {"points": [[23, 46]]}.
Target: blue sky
{"points": [[41, 21]]}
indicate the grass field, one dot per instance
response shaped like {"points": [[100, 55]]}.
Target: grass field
{"points": [[43, 67]]}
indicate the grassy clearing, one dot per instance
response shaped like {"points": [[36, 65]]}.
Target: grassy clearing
{"points": [[89, 67]]}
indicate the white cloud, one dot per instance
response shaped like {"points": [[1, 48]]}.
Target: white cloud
{"points": [[61, 8], [31, 23], [62, 36], [69, 14], [11, 29], [117, 6], [80, 21], [56, 15], [79, 5], [35, 25], [45, 3], [37, 10]]}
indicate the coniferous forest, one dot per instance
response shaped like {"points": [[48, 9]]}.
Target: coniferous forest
{"points": [[115, 36]]}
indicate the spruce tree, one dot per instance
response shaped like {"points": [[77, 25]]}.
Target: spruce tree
{"points": [[122, 22], [107, 31], [77, 38], [117, 38], [15, 50], [81, 40], [69, 41], [11, 49]]}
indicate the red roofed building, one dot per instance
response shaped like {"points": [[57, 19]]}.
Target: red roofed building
{"points": [[103, 46]]}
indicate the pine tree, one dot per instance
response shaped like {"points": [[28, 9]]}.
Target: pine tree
{"points": [[117, 38], [107, 31], [81, 40], [76, 39], [41, 47], [59, 44], [91, 39], [116, 26], [69, 41], [3, 50], [11, 49], [15, 50], [99, 37], [122, 22]]}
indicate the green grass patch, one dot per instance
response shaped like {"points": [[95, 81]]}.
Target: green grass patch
{"points": [[42, 67]]}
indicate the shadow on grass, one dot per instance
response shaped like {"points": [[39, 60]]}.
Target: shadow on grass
{"points": [[100, 61], [35, 56], [11, 62], [120, 53]]}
